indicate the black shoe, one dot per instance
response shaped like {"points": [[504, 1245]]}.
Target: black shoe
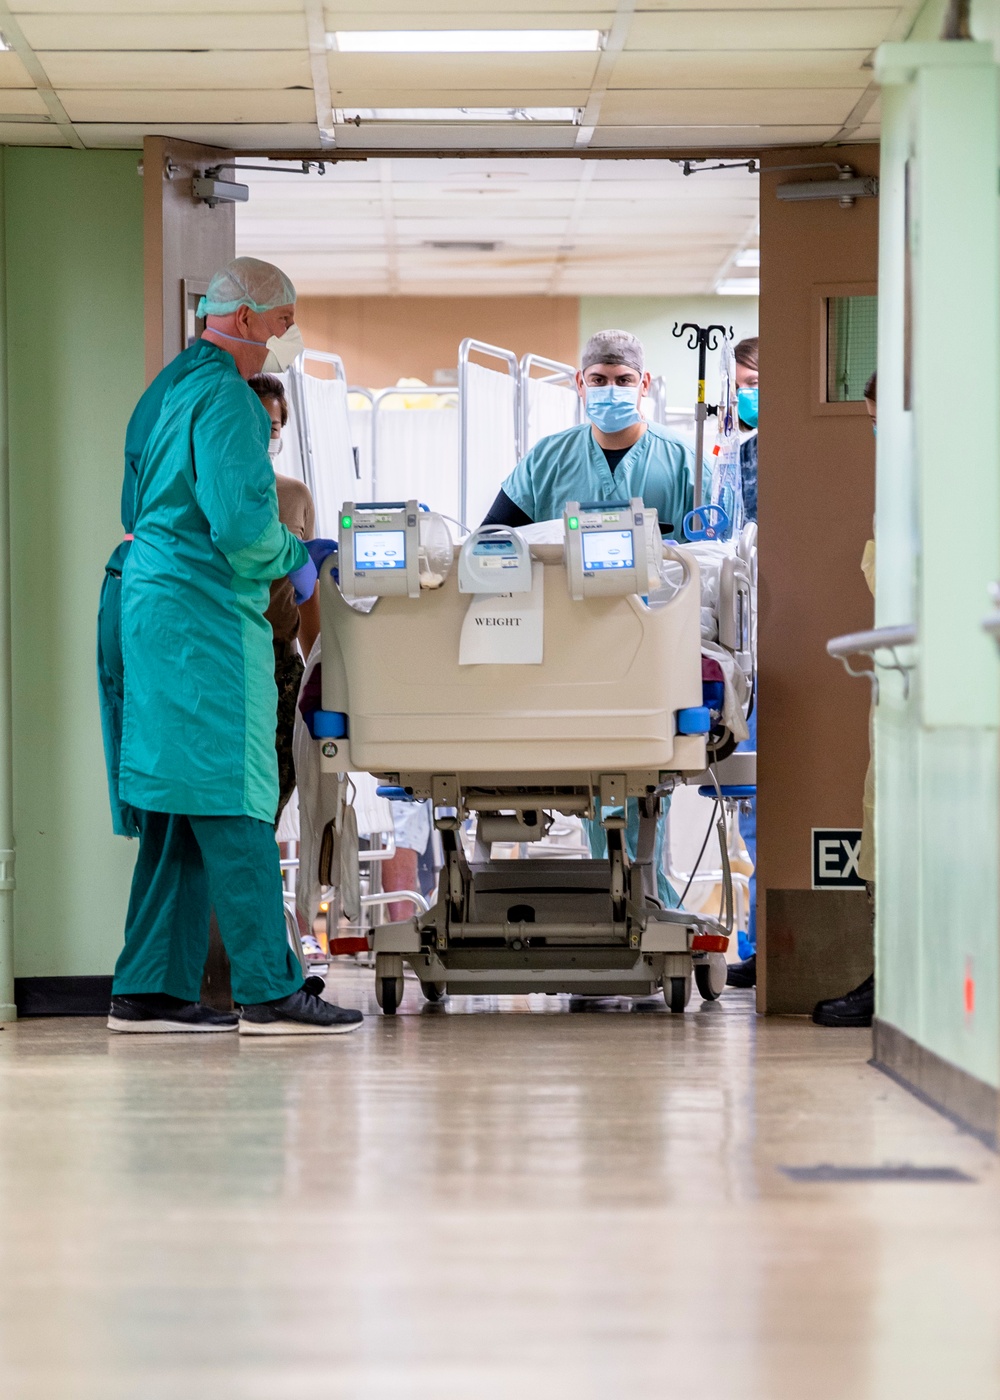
{"points": [[165, 1015], [742, 974], [302, 1013], [855, 1008]]}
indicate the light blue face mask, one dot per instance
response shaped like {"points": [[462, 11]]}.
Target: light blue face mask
{"points": [[747, 402], [613, 407]]}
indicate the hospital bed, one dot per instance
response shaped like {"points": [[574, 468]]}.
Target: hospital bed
{"points": [[513, 683]]}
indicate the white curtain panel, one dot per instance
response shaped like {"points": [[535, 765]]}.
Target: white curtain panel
{"points": [[492, 441], [551, 409], [361, 436], [334, 478], [417, 457], [290, 461]]}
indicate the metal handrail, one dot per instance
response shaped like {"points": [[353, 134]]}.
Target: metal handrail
{"points": [[396, 897], [481, 347], [377, 400], [325, 357], [867, 644], [560, 373]]}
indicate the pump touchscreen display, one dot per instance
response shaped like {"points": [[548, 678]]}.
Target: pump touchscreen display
{"points": [[607, 549], [380, 549]]}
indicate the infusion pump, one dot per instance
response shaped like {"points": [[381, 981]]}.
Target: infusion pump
{"points": [[606, 548], [379, 549]]}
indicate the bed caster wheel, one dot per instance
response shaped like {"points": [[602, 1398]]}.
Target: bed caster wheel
{"points": [[388, 994], [711, 976], [388, 982], [676, 991], [433, 991]]}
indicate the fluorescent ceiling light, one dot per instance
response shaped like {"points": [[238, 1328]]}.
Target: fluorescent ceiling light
{"points": [[465, 40], [359, 115], [750, 257], [738, 287]]}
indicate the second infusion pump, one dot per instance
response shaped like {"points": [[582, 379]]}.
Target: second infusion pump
{"points": [[379, 549], [606, 548]]}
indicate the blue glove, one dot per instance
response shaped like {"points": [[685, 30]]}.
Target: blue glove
{"points": [[320, 549], [303, 580]]}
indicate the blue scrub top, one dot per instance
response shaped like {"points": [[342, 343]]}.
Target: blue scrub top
{"points": [[570, 466]]}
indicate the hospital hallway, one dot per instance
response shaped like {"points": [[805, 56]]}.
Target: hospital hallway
{"points": [[417, 1211]]}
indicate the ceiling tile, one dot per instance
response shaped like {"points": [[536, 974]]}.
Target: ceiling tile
{"points": [[160, 32], [159, 7], [791, 68], [22, 101], [157, 107], [31, 134], [13, 73], [170, 70], [127, 135], [687, 138], [728, 106], [763, 29]]}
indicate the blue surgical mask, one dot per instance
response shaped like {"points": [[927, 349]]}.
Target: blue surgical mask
{"points": [[747, 402], [613, 407]]}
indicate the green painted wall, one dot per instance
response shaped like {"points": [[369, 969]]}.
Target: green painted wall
{"points": [[73, 236], [652, 319], [938, 797]]}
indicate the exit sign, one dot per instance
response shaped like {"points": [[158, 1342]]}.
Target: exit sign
{"points": [[835, 855]]}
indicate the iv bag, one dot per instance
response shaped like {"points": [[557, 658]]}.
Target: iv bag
{"points": [[727, 479]]}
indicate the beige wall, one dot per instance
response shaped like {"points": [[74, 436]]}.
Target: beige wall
{"points": [[381, 339]]}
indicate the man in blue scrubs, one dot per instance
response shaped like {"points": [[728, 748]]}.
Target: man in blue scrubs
{"points": [[613, 456]]}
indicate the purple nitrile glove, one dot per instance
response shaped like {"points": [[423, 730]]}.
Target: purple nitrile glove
{"points": [[303, 580], [320, 549]]}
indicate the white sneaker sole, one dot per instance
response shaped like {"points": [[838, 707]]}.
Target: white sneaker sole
{"points": [[164, 1028], [294, 1028]]}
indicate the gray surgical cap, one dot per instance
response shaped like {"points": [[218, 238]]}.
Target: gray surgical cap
{"points": [[614, 348], [246, 282]]}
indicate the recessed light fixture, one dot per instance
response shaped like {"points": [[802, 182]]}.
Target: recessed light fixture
{"points": [[358, 115], [749, 257], [465, 40], [738, 287]]}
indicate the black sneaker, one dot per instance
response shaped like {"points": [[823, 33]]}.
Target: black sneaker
{"points": [[855, 1008], [302, 1013], [742, 974], [166, 1015]]}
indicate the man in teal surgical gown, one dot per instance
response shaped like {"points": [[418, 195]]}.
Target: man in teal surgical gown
{"points": [[186, 673], [613, 456]]}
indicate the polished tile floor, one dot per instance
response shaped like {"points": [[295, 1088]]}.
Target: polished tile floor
{"points": [[487, 1200]]}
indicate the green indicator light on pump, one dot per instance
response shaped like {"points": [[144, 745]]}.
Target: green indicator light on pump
{"points": [[346, 522], [573, 522]]}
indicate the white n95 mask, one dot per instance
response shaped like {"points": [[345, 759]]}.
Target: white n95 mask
{"points": [[283, 350], [274, 446]]}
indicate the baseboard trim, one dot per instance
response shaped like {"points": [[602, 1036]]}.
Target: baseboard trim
{"points": [[970, 1103], [62, 996]]}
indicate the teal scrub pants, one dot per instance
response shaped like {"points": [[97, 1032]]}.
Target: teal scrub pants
{"points": [[186, 867], [599, 845]]}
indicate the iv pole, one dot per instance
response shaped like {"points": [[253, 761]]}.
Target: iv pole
{"points": [[702, 339]]}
